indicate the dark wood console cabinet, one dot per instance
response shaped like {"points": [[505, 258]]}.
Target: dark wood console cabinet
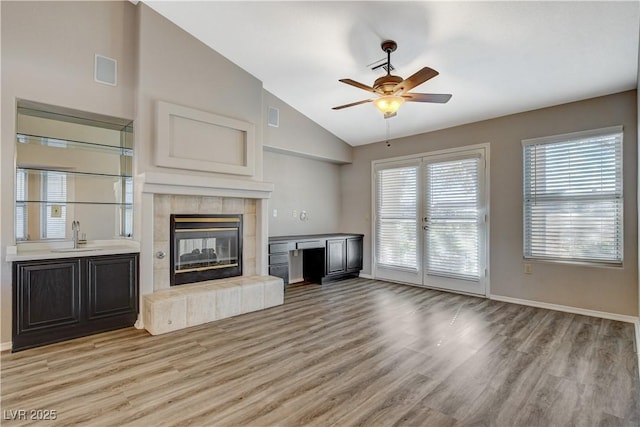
{"points": [[325, 257], [59, 299]]}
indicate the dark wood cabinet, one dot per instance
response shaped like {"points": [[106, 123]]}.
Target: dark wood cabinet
{"points": [[279, 261], [59, 299], [344, 258], [111, 286], [336, 256], [48, 297], [354, 253], [325, 257]]}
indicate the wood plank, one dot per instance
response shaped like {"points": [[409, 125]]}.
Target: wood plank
{"points": [[356, 352]]}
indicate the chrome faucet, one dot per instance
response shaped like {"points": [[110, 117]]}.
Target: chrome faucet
{"points": [[75, 227]]}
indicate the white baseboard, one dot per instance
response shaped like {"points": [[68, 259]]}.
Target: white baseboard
{"points": [[293, 280], [366, 276], [568, 309], [5, 346]]}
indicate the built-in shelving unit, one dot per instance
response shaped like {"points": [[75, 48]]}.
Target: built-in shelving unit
{"points": [[72, 166]]}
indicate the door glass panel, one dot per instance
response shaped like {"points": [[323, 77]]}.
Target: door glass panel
{"points": [[452, 206], [397, 217]]}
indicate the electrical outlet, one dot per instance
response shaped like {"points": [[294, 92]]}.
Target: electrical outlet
{"points": [[275, 213], [528, 269], [294, 214]]}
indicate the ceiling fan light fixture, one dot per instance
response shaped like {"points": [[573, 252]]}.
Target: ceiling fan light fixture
{"points": [[388, 104]]}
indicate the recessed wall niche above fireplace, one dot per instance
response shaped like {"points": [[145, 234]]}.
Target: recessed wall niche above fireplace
{"points": [[205, 247]]}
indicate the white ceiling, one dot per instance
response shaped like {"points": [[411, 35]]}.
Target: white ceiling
{"points": [[496, 58]]}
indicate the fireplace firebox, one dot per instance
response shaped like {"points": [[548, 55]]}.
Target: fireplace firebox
{"points": [[205, 247]]}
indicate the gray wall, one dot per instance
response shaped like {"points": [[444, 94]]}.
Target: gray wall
{"points": [[48, 51], [613, 290], [177, 68], [302, 160], [299, 154], [302, 184], [299, 135]]}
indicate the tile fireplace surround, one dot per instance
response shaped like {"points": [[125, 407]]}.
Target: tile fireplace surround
{"points": [[165, 194], [165, 205]]}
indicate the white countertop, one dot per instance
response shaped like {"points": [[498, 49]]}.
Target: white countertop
{"points": [[44, 250]]}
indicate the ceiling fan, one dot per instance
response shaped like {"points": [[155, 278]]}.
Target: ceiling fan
{"points": [[394, 90]]}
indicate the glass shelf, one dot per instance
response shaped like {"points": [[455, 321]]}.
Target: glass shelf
{"points": [[56, 202], [72, 172], [67, 143]]}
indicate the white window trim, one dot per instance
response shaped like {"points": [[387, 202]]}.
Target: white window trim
{"points": [[568, 137]]}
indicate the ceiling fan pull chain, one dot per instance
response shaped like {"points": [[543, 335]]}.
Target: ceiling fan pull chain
{"points": [[388, 132]]}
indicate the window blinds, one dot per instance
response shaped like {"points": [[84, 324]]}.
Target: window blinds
{"points": [[396, 217], [54, 189], [452, 209], [128, 208], [573, 204], [21, 205]]}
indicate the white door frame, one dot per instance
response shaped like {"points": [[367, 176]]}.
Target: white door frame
{"points": [[416, 277]]}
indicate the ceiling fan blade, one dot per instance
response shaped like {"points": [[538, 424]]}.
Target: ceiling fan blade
{"points": [[340, 107], [414, 80], [439, 98], [358, 85]]}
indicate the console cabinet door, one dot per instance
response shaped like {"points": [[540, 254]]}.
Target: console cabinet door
{"points": [[336, 256], [47, 298], [112, 286], [354, 254], [56, 300]]}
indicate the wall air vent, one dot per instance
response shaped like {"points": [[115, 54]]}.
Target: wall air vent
{"points": [[105, 70], [273, 118]]}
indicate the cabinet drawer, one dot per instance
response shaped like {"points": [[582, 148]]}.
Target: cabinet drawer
{"points": [[311, 244], [275, 248], [278, 259]]}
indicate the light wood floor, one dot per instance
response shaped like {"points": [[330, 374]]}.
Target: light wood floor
{"points": [[357, 352]]}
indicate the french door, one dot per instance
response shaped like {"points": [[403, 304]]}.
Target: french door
{"points": [[431, 221]]}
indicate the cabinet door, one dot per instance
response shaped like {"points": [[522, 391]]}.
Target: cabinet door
{"points": [[46, 296], [354, 254], [336, 256], [112, 286]]}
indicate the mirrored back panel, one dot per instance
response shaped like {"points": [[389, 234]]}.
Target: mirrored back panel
{"points": [[72, 166]]}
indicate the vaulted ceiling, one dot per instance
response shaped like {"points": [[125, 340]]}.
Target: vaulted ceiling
{"points": [[496, 58]]}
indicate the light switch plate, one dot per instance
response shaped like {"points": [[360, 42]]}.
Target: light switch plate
{"points": [[56, 211]]}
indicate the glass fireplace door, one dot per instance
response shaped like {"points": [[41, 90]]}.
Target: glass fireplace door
{"points": [[205, 247]]}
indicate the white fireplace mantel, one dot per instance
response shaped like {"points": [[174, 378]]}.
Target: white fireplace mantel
{"points": [[191, 185]]}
